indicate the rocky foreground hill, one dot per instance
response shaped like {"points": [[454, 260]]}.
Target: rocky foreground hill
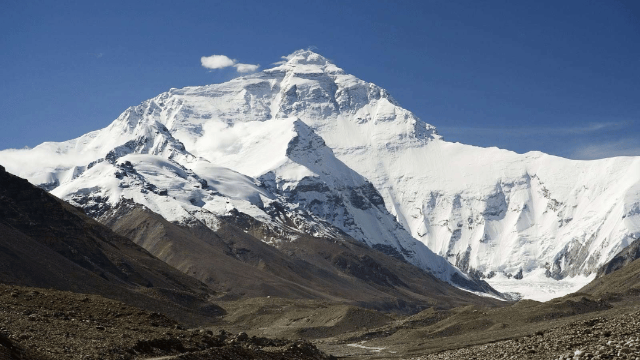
{"points": [[598, 338], [39, 324]]}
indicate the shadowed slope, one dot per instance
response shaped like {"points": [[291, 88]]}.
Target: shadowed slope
{"points": [[235, 263], [46, 242], [622, 259], [625, 281]]}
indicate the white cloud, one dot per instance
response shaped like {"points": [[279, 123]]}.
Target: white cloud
{"points": [[223, 61], [216, 61], [243, 68], [624, 147]]}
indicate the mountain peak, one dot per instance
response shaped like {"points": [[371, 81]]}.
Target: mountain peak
{"points": [[305, 62], [306, 57]]}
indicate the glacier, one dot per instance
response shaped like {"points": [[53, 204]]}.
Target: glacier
{"points": [[338, 152]]}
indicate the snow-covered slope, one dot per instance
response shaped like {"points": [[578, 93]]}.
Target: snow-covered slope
{"points": [[491, 212], [296, 184]]}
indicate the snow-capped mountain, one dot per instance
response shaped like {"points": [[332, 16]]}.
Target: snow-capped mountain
{"points": [[338, 152], [290, 181]]}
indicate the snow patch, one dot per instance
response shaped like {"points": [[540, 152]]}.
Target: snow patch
{"points": [[537, 286]]}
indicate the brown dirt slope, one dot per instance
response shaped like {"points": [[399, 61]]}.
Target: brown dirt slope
{"points": [[624, 282], [237, 264], [433, 331], [46, 242]]}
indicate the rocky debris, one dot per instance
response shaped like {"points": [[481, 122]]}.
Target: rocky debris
{"points": [[54, 324], [598, 338], [250, 349], [11, 351]]}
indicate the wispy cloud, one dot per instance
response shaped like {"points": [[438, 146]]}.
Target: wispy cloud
{"points": [[595, 127], [594, 140], [222, 61], [623, 147], [585, 129]]}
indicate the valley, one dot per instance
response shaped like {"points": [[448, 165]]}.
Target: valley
{"points": [[48, 324], [301, 213]]}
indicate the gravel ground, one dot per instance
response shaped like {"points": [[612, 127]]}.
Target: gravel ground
{"points": [[599, 338], [54, 324], [50, 324]]}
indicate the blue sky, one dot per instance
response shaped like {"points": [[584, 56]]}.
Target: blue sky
{"points": [[561, 77]]}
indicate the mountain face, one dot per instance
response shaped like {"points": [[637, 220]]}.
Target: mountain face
{"points": [[280, 173], [298, 187], [306, 148]]}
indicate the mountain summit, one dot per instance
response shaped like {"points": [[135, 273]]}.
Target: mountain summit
{"points": [[304, 146]]}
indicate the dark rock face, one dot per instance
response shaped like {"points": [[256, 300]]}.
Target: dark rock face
{"points": [[462, 260], [309, 184], [518, 276], [365, 197], [93, 205], [622, 259], [146, 144], [370, 192], [389, 250]]}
